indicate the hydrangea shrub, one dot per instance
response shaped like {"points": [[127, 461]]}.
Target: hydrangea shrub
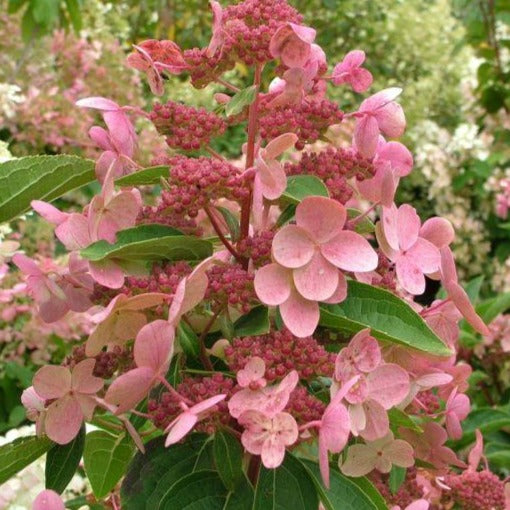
{"points": [[256, 335]]}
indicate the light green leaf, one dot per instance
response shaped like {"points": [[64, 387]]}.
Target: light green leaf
{"points": [[487, 419], [149, 242], [240, 100], [255, 322], [490, 309], [343, 492], [228, 458], [73, 8], [400, 419], [287, 487], [45, 11], [302, 186], [147, 176], [39, 178], [397, 478], [106, 458], [62, 462], [363, 226], [389, 318], [20, 453]]}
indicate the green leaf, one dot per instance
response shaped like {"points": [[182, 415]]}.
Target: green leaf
{"points": [[240, 100], [147, 176], [188, 340], [39, 178], [106, 458], [400, 419], [231, 221], [255, 322], [397, 478], [473, 287], [20, 453], [343, 492], [45, 11], [302, 186], [500, 459], [149, 242], [15, 5], [389, 318], [228, 458], [363, 226], [62, 462], [286, 487], [73, 9], [487, 419], [241, 498], [490, 309], [29, 30]]}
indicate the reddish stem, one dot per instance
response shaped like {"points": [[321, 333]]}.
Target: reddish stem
{"points": [[223, 239]]}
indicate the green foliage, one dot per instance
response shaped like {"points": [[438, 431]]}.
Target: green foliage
{"points": [[228, 459], [255, 322], [147, 176], [302, 186]]}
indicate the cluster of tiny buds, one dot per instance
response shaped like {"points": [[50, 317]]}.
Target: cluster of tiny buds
{"points": [[186, 127], [231, 285], [196, 389], [428, 403], [107, 362], [476, 490], [334, 167], [308, 120], [304, 407], [204, 69], [282, 352], [257, 248], [195, 182], [163, 215], [408, 491]]}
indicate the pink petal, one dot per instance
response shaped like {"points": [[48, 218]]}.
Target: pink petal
{"points": [[410, 276], [292, 246], [63, 420], [360, 80], [99, 103], [365, 350], [82, 378], [26, 265], [286, 427], [366, 135], [458, 295], [438, 231], [52, 381], [318, 280], [154, 346], [340, 292], [389, 221], [379, 99], [398, 156], [49, 212], [272, 284], [420, 504], [74, 232], [322, 218], [453, 426], [353, 59], [207, 404], [273, 179], [306, 34], [426, 255], [53, 310], [388, 384], [476, 453], [180, 427], [300, 315], [273, 452], [252, 371], [351, 252], [360, 460], [400, 453], [279, 145], [377, 422], [107, 273], [102, 138], [48, 500], [408, 226], [130, 388], [391, 120]]}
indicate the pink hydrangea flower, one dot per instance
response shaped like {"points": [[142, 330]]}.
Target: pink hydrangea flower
{"points": [[121, 320], [48, 500], [252, 375], [350, 71], [381, 454], [292, 44], [73, 393], [362, 355], [379, 114], [268, 436], [185, 422], [152, 352], [307, 258], [35, 408], [457, 409]]}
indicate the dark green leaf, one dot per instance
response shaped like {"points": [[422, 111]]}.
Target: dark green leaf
{"points": [[145, 177], [62, 462], [287, 487], [231, 221], [389, 318], [45, 12], [39, 178], [188, 340], [20, 453], [397, 477], [149, 242], [29, 30], [241, 498], [73, 8], [343, 492], [240, 100], [287, 214], [228, 458], [255, 322], [473, 287], [302, 186], [106, 458], [400, 419], [487, 419], [15, 5], [490, 309]]}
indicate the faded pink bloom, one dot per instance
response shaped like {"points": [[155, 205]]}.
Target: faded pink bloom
{"points": [[457, 409], [152, 351], [268, 436], [48, 500], [457, 294], [419, 504], [350, 71], [121, 320], [73, 395], [379, 114], [443, 318], [35, 409], [381, 454], [307, 258], [217, 38], [185, 422], [270, 400], [292, 44], [400, 238], [252, 375], [392, 161], [363, 354]]}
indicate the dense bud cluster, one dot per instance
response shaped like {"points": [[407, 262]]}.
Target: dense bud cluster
{"points": [[408, 492], [186, 127], [164, 215], [304, 407], [334, 167], [308, 119], [282, 352], [257, 247]]}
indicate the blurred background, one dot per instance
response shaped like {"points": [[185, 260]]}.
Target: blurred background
{"points": [[451, 57]]}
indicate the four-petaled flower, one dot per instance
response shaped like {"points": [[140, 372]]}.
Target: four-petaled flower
{"points": [[350, 71]]}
